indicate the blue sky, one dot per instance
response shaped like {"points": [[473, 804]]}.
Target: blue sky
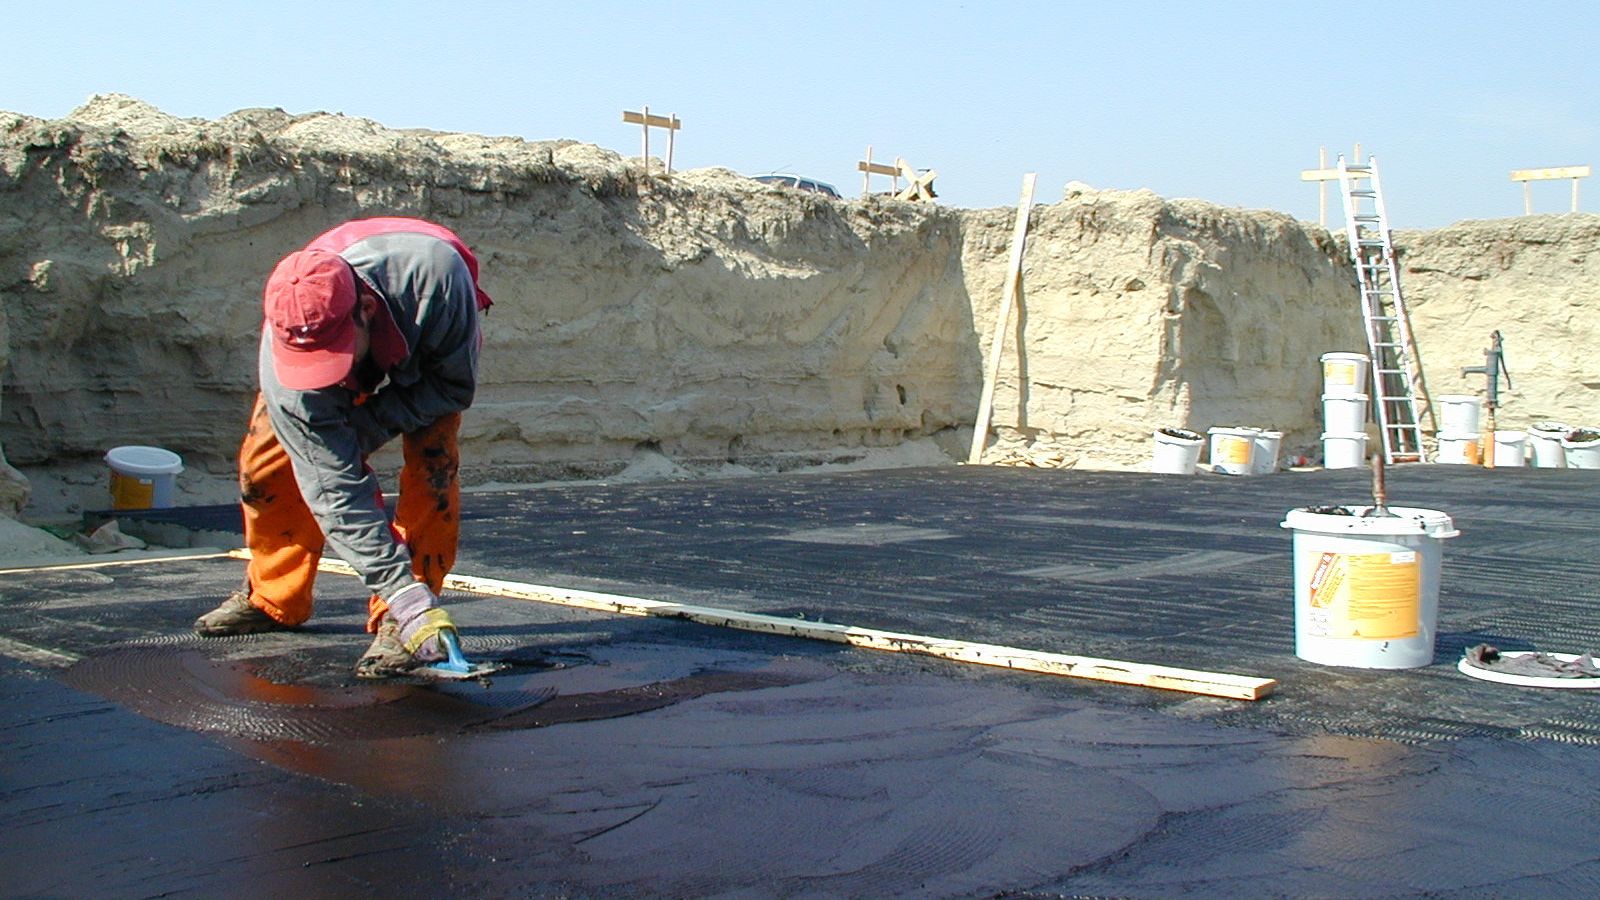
{"points": [[1226, 102]]}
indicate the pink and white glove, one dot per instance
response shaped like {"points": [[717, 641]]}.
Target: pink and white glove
{"points": [[416, 610]]}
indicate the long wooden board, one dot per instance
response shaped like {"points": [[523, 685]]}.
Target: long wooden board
{"points": [[1211, 684], [1549, 174], [110, 561], [1328, 175], [644, 118]]}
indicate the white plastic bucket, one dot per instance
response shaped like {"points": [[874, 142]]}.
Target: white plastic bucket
{"points": [[1344, 449], [1510, 449], [142, 477], [1545, 439], [1265, 459], [1344, 413], [1366, 589], [1176, 451], [1458, 413], [1582, 454], [1458, 449], [1344, 374], [1232, 450]]}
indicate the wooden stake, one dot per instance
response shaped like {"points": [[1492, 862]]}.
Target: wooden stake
{"points": [[1019, 236], [672, 140], [1322, 189], [1193, 681]]}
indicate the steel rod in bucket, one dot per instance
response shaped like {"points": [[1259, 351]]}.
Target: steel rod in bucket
{"points": [[1380, 490]]}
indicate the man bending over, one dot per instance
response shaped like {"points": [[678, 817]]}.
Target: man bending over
{"points": [[370, 333]]}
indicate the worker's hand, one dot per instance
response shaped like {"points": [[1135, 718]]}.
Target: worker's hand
{"points": [[416, 610]]}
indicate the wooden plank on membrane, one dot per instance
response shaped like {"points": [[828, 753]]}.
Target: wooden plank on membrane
{"points": [[146, 558], [1212, 684]]}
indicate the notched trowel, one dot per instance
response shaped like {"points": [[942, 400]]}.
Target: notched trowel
{"points": [[456, 666]]}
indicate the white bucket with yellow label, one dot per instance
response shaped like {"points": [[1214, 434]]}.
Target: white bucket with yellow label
{"points": [[1233, 450], [1366, 588], [1344, 374], [142, 477]]}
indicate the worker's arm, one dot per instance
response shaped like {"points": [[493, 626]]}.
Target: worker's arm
{"points": [[441, 379]]}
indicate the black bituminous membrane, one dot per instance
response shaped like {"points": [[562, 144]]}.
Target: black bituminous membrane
{"points": [[1190, 572], [643, 757]]}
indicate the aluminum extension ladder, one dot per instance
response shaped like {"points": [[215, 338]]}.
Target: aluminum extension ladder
{"points": [[1399, 393]]}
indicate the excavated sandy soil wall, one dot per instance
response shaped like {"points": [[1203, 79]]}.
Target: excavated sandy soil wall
{"points": [[1536, 280], [707, 320], [1140, 313]]}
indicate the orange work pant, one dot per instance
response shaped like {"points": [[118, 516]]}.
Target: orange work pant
{"points": [[285, 541]]}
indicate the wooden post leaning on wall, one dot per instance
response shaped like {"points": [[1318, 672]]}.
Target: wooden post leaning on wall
{"points": [[1008, 297]]}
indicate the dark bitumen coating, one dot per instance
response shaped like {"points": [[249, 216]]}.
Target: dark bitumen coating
{"points": [[678, 759]]}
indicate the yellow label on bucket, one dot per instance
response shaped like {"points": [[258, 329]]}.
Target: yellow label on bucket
{"points": [[1234, 450], [1366, 596], [128, 492], [1339, 373]]}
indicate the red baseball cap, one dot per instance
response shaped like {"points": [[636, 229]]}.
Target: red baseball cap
{"points": [[309, 304]]}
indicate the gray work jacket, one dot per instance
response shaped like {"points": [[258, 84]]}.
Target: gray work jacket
{"points": [[433, 371]]}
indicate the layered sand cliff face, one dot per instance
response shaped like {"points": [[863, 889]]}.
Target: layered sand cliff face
{"points": [[707, 321], [1536, 280], [1141, 313]]}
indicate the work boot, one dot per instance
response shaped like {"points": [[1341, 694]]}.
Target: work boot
{"points": [[236, 616], [388, 654]]}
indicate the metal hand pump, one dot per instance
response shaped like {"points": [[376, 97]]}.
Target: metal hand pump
{"points": [[1493, 367]]}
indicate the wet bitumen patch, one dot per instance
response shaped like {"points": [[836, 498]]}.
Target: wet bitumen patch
{"points": [[644, 757], [100, 801]]}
